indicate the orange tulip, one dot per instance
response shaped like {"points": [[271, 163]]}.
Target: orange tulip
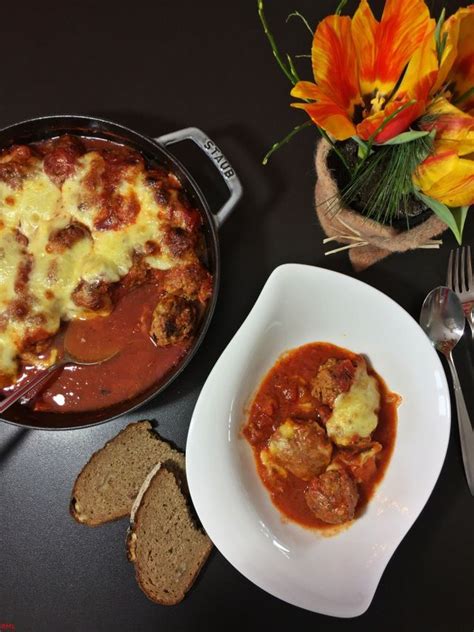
{"points": [[357, 64], [448, 175]]}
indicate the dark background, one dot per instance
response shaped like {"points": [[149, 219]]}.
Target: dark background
{"points": [[157, 67]]}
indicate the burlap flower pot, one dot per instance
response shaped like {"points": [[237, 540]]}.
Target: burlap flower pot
{"points": [[370, 241]]}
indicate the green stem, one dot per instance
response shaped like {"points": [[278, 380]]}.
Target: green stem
{"points": [[297, 14], [326, 136], [340, 6], [396, 86], [274, 47], [285, 140], [292, 68]]}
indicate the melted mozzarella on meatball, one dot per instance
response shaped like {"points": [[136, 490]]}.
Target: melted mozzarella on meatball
{"points": [[354, 416]]}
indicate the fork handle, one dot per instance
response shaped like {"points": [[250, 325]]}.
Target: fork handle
{"points": [[466, 433], [470, 320]]}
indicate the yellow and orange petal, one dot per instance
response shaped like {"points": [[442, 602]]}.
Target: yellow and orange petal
{"points": [[462, 71], [447, 178], [385, 48], [422, 68], [323, 111], [335, 62], [364, 30], [454, 128], [416, 85], [451, 32]]}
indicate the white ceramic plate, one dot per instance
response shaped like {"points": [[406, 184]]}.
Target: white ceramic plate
{"points": [[332, 575]]}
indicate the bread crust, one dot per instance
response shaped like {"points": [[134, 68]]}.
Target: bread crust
{"points": [[132, 538], [74, 505]]}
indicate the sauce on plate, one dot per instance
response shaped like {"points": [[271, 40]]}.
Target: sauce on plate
{"points": [[279, 397]]}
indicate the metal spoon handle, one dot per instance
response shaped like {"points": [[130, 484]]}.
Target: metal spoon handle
{"points": [[25, 388], [466, 433]]}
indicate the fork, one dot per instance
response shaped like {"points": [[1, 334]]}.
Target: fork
{"points": [[460, 280]]}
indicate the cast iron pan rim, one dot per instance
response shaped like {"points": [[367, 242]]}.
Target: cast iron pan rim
{"points": [[211, 224]]}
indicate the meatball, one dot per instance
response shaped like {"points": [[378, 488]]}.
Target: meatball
{"points": [[65, 238], [333, 378], [60, 161], [174, 320], [332, 496], [191, 281], [300, 448], [94, 296], [13, 172]]}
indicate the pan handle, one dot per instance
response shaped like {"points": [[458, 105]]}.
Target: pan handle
{"points": [[213, 152]]}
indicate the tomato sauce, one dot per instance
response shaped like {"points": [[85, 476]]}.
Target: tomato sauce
{"points": [[134, 362], [278, 398], [137, 362]]}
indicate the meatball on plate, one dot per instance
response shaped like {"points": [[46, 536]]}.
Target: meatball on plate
{"points": [[322, 470]]}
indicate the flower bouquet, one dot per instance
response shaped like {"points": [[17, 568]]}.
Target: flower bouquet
{"points": [[393, 101]]}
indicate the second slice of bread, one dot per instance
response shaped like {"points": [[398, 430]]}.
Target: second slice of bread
{"points": [[109, 483], [164, 541]]}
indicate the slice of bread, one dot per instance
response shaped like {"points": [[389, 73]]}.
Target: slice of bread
{"points": [[109, 483], [164, 541]]}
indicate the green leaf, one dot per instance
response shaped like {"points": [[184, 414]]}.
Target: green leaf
{"points": [[362, 152], [460, 214], [440, 44], [363, 149], [454, 218], [405, 137], [359, 141]]}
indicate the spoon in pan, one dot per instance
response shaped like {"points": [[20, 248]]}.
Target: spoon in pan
{"points": [[442, 319], [64, 358]]}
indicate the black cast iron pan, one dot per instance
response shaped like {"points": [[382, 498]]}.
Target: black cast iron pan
{"points": [[155, 151]]}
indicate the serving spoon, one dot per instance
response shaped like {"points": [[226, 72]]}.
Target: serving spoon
{"points": [[442, 319], [64, 359]]}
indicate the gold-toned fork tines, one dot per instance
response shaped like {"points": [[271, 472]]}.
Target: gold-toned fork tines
{"points": [[460, 280]]}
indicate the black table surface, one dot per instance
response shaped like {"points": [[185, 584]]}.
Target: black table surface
{"points": [[158, 67]]}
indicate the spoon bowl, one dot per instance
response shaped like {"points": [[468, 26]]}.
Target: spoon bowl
{"points": [[30, 388], [442, 318]]}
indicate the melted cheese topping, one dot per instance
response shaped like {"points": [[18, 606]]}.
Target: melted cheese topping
{"points": [[37, 209], [354, 414]]}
